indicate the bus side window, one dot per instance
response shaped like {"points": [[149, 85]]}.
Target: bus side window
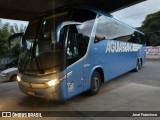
{"points": [[79, 34], [77, 45], [142, 37], [72, 48], [136, 38], [72, 43], [84, 44], [72, 51]]}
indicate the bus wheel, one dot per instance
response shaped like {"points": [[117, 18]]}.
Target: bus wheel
{"points": [[140, 64], [95, 83], [137, 67]]}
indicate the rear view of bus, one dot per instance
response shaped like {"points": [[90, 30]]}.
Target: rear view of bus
{"points": [[71, 50]]}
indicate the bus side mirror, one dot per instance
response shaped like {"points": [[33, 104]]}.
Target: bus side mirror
{"points": [[13, 38]]}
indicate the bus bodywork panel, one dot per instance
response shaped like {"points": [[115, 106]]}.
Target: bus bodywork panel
{"points": [[117, 61]]}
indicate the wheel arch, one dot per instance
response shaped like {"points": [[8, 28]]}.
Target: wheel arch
{"points": [[100, 70], [12, 76]]}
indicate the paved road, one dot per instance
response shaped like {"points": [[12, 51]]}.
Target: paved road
{"points": [[148, 75], [117, 94]]}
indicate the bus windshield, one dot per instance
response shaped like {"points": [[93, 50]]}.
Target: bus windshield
{"points": [[41, 52]]}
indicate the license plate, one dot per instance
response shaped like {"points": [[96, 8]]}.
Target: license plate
{"points": [[31, 93]]}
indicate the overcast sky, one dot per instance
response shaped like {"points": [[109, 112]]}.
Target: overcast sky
{"points": [[15, 21], [133, 15], [136, 14]]}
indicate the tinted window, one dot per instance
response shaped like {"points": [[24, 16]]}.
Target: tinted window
{"points": [[79, 35], [135, 38], [108, 28], [142, 37]]}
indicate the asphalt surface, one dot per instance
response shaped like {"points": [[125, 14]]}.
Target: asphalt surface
{"points": [[131, 91]]}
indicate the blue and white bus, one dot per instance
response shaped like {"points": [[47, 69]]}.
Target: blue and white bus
{"points": [[75, 49]]}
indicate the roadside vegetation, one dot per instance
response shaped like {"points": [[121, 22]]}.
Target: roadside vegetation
{"points": [[5, 31], [151, 27]]}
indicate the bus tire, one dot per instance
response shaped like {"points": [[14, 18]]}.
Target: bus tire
{"points": [[95, 83], [140, 64], [137, 67]]}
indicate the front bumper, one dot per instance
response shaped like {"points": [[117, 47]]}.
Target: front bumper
{"points": [[52, 92], [4, 78]]}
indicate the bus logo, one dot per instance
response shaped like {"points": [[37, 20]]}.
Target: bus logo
{"points": [[117, 46]]}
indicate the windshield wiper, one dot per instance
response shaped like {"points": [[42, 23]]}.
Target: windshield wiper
{"points": [[24, 63], [40, 69]]}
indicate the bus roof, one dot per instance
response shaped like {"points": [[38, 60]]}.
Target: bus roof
{"points": [[87, 7]]}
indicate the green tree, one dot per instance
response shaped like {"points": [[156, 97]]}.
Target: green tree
{"points": [[16, 28], [5, 31], [12, 30], [150, 26]]}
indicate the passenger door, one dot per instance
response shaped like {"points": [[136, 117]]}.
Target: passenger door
{"points": [[78, 36], [74, 62]]}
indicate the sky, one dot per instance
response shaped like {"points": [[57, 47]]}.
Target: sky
{"points": [[25, 23], [133, 16]]}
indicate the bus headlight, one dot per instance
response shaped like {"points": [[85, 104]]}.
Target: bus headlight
{"points": [[52, 82], [18, 78]]}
